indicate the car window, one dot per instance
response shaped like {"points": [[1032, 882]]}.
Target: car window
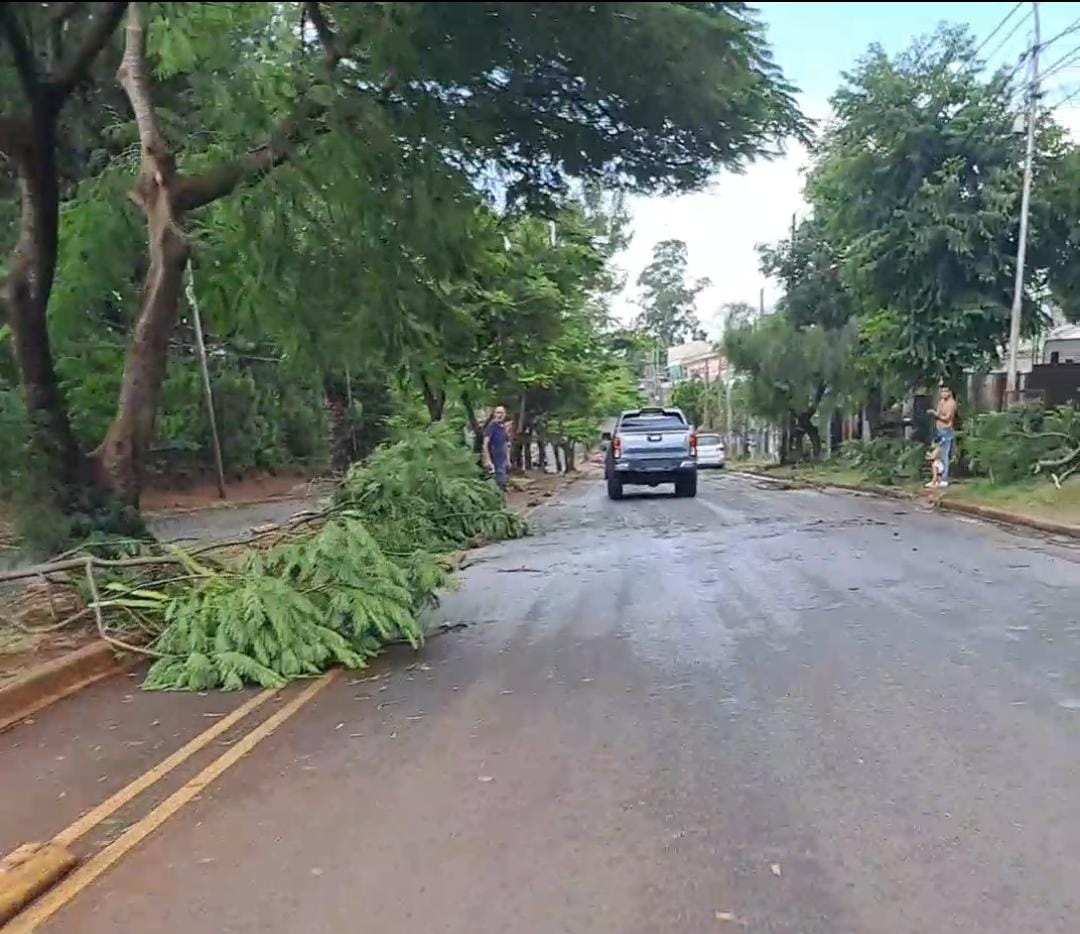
{"points": [[652, 423], [708, 439]]}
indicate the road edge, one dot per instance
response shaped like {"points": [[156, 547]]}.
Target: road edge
{"points": [[989, 513], [45, 684]]}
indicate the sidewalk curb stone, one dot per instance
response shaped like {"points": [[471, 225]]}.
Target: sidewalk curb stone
{"points": [[47, 683], [1002, 516]]}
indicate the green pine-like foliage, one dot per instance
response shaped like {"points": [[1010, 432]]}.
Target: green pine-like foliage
{"points": [[337, 593], [426, 492]]}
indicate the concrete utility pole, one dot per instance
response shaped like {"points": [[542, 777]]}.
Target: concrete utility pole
{"points": [[1011, 393], [208, 391], [731, 445]]}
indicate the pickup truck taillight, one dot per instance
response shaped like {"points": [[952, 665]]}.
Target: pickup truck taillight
{"points": [[693, 444], [616, 446]]}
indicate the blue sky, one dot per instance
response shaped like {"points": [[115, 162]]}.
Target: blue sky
{"points": [[814, 43]]}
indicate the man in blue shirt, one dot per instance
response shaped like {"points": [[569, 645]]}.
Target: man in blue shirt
{"points": [[496, 448]]}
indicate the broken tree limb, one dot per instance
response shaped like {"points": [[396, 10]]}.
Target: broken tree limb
{"points": [[100, 618]]}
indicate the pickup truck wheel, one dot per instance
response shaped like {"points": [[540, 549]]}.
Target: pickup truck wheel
{"points": [[686, 486], [614, 488]]}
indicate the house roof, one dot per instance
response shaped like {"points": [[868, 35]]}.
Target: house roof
{"points": [[1066, 332], [687, 353]]}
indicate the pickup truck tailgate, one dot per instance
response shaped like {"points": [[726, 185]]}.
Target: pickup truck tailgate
{"points": [[654, 445]]}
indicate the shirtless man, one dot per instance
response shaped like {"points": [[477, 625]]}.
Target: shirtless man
{"points": [[945, 419]]}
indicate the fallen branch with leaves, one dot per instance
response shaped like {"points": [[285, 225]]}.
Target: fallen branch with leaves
{"points": [[329, 587], [1019, 442]]}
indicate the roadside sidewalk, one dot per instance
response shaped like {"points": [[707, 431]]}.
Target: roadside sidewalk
{"points": [[935, 500]]}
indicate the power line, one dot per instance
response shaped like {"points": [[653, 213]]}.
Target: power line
{"points": [[1024, 56], [1071, 28], [1012, 32], [1065, 99], [997, 29], [1067, 59]]}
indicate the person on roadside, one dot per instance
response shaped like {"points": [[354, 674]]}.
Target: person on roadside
{"points": [[497, 448], [945, 423]]}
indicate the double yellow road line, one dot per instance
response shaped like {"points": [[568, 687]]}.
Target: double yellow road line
{"points": [[57, 897]]}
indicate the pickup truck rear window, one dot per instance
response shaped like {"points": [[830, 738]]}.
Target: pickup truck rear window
{"points": [[652, 423]]}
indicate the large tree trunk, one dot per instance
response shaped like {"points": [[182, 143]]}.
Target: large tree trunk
{"points": [[119, 459], [435, 400], [568, 456], [873, 410], [29, 145], [474, 424], [28, 287], [164, 196], [339, 417], [808, 429]]}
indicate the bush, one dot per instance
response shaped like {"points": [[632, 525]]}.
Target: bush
{"points": [[1019, 442], [886, 460]]}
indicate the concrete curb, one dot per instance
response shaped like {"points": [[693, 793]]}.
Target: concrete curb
{"points": [[28, 871], [1010, 518], [1002, 516], [48, 683]]}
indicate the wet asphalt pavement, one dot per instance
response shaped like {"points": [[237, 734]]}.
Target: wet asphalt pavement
{"points": [[761, 710]]}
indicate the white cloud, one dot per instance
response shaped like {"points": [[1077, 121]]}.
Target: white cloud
{"points": [[721, 226]]}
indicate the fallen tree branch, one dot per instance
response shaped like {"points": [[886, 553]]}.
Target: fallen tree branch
{"points": [[55, 627], [100, 618], [75, 564], [1060, 461]]}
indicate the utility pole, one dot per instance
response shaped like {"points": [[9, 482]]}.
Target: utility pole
{"points": [[731, 446], [200, 346], [1011, 393], [761, 302], [791, 248]]}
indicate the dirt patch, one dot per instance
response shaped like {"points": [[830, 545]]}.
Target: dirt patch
{"points": [[20, 651], [532, 488], [204, 495]]}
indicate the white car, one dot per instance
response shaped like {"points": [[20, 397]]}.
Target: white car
{"points": [[710, 451]]}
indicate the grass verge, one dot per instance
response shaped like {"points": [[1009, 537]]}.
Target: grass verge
{"points": [[1036, 497]]}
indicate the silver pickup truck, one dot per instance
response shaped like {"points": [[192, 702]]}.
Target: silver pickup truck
{"points": [[649, 447]]}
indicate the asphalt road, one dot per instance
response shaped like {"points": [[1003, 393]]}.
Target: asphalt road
{"points": [[761, 710]]}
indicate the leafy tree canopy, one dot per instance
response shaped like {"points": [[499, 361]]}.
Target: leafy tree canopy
{"points": [[668, 299], [915, 193]]}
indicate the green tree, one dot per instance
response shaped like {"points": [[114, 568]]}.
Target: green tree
{"points": [[668, 299], [810, 267], [792, 373], [915, 193], [229, 96], [701, 402]]}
